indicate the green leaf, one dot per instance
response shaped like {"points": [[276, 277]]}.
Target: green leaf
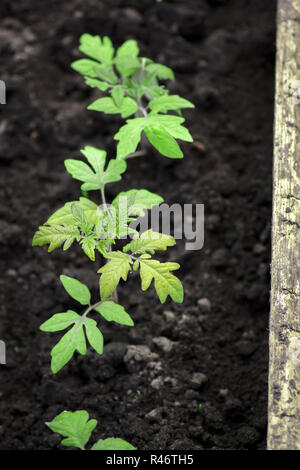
{"points": [[126, 58], [94, 335], [166, 103], [129, 136], [172, 124], [118, 95], [114, 312], [60, 321], [64, 214], [97, 48], [126, 66], [76, 289], [82, 172], [99, 177], [80, 218], [112, 443], [76, 427], [109, 106], [86, 67], [55, 235], [129, 48], [107, 74], [163, 141], [161, 71], [137, 200], [116, 268], [165, 282], [94, 83], [148, 242], [63, 351], [88, 244]]}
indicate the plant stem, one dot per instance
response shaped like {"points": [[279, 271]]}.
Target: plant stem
{"points": [[139, 153]]}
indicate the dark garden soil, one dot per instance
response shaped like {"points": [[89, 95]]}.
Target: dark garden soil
{"points": [[212, 350]]}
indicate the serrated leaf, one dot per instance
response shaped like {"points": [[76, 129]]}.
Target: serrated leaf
{"points": [[148, 242], [97, 48], [163, 104], [112, 443], [126, 57], [165, 282], [96, 179], [161, 71], [129, 48], [109, 106], [55, 236], [80, 218], [113, 271], [63, 351], [94, 335], [118, 95], [64, 214], [86, 67], [76, 289], [76, 427], [160, 138], [88, 244], [172, 124], [114, 312], [94, 83], [129, 136], [107, 74], [60, 321], [137, 200], [82, 172]]}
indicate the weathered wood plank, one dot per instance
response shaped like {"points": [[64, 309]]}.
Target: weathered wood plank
{"points": [[284, 371]]}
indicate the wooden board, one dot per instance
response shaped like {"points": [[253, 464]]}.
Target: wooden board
{"points": [[284, 371]]}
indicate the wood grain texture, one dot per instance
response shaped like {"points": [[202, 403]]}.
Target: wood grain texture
{"points": [[284, 370]]}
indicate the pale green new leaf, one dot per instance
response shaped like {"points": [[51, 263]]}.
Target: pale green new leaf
{"points": [[82, 172], [64, 214], [95, 83], [109, 106], [112, 443], [76, 427], [97, 177], [88, 244], [114, 312], [128, 48], [55, 236], [165, 282], [165, 103], [160, 138], [126, 57], [161, 71], [76, 289], [86, 67], [60, 321], [137, 200], [148, 242], [172, 124], [113, 271], [118, 95], [129, 136], [97, 48]]}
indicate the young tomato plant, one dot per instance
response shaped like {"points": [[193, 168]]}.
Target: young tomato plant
{"points": [[77, 428], [133, 85]]}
